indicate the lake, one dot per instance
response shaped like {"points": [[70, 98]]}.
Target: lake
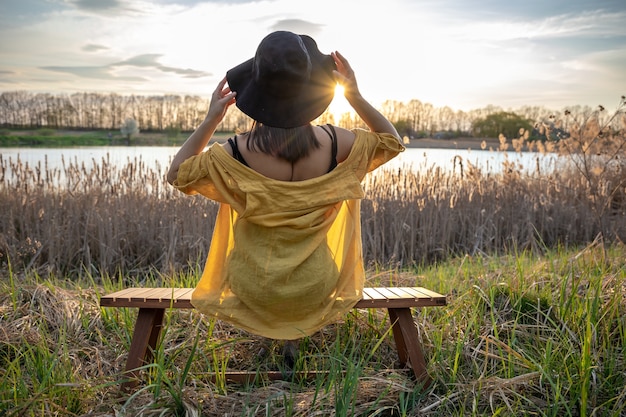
{"points": [[159, 157]]}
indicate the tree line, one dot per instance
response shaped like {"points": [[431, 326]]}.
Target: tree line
{"points": [[108, 111]]}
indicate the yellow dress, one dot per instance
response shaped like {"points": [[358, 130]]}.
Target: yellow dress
{"points": [[285, 257]]}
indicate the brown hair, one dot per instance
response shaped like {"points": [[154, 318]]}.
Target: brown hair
{"points": [[290, 144]]}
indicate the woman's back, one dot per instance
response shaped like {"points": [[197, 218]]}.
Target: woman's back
{"points": [[315, 164]]}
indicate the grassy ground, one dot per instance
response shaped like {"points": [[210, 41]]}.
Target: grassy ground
{"points": [[522, 335], [53, 138]]}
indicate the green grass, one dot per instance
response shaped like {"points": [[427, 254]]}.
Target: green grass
{"points": [[522, 335], [52, 138]]}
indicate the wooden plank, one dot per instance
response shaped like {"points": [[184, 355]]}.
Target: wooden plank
{"points": [[388, 293], [113, 299], [398, 297], [162, 295], [120, 294], [430, 292], [173, 297], [373, 297], [422, 296], [149, 298], [182, 294], [413, 292], [366, 294], [146, 294], [401, 292], [374, 294]]}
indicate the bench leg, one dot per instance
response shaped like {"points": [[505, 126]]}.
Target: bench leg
{"points": [[145, 337], [408, 344]]}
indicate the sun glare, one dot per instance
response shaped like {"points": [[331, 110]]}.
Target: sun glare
{"points": [[339, 105]]}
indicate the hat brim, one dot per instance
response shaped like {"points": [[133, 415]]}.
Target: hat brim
{"points": [[285, 112]]}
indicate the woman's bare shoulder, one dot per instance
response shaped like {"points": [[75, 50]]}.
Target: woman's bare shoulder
{"points": [[345, 140], [226, 146]]}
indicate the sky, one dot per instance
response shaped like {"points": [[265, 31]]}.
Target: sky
{"points": [[465, 54]]}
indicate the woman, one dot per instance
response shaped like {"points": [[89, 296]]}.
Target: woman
{"points": [[285, 258]]}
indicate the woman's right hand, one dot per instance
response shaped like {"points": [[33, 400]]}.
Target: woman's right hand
{"points": [[344, 74], [372, 117]]}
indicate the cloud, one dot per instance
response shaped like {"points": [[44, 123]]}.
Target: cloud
{"points": [[591, 24], [194, 2], [96, 5], [140, 7], [13, 13], [298, 26], [101, 72], [105, 7], [94, 48], [151, 61], [7, 77], [514, 10], [107, 72]]}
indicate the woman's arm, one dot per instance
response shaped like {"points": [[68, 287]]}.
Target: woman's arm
{"points": [[372, 117], [221, 99]]}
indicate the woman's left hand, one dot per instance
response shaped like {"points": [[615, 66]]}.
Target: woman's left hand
{"points": [[221, 99]]}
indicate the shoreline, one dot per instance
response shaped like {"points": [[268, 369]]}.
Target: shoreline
{"points": [[67, 138], [474, 144]]}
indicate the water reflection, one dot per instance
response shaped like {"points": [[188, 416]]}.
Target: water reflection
{"points": [[423, 160]]}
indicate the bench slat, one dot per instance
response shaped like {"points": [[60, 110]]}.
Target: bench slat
{"points": [[183, 294], [415, 292], [389, 294], [373, 297], [408, 292], [370, 294], [424, 291], [148, 293], [149, 298], [121, 293]]}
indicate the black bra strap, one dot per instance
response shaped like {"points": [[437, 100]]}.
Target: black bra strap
{"points": [[333, 139], [236, 154]]}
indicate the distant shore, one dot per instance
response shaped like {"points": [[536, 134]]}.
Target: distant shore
{"points": [[62, 138], [431, 143], [457, 143]]}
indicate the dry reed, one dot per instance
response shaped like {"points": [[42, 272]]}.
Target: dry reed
{"points": [[109, 219]]}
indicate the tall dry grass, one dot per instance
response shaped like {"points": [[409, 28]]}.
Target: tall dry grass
{"points": [[104, 218], [416, 218], [99, 217]]}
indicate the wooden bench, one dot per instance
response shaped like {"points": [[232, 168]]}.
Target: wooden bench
{"points": [[152, 303]]}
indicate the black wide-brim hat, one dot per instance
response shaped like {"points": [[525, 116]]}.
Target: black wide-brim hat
{"points": [[287, 84]]}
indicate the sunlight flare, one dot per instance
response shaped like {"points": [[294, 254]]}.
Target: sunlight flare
{"points": [[339, 105]]}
